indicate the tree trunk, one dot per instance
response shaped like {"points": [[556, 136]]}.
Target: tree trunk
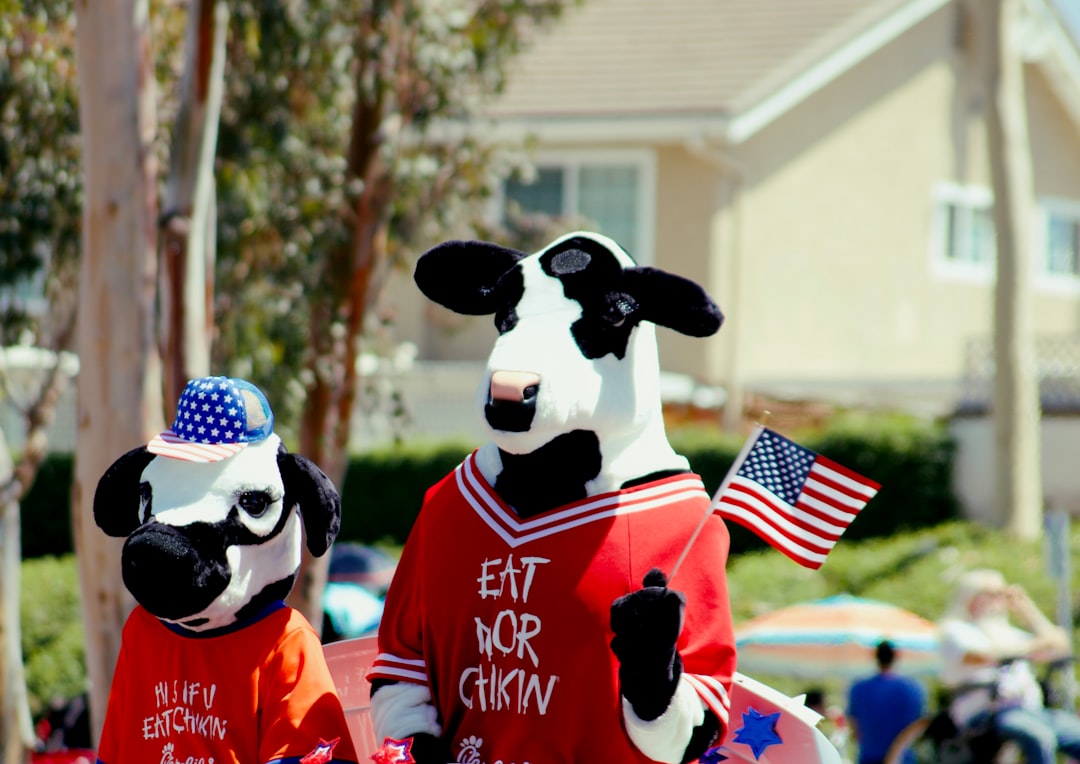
{"points": [[327, 417], [1016, 405], [188, 223], [16, 729], [338, 315], [119, 384]]}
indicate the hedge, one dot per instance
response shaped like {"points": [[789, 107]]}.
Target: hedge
{"points": [[913, 463], [46, 509], [383, 489]]}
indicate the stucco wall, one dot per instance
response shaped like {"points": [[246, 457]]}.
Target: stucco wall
{"points": [[837, 225], [815, 235], [837, 278]]}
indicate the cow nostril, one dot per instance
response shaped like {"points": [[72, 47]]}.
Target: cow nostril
{"points": [[512, 400], [513, 386]]}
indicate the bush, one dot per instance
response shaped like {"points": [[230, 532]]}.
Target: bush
{"points": [[911, 459], [46, 509], [383, 489], [914, 570], [52, 631]]}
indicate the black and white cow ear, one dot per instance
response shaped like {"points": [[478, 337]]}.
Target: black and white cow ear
{"points": [[320, 503], [463, 275], [118, 496], [673, 301]]}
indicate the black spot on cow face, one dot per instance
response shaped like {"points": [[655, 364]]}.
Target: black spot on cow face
{"points": [[592, 276], [568, 462], [171, 576], [210, 543], [174, 571], [510, 289], [579, 315]]}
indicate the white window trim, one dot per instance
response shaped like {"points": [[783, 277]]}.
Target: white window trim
{"points": [[572, 160], [940, 265], [1060, 283]]}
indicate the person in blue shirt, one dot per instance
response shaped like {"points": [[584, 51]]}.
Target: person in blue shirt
{"points": [[880, 706]]}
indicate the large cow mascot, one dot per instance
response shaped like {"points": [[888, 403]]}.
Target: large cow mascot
{"points": [[530, 620], [214, 667]]}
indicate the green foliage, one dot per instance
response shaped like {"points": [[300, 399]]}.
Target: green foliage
{"points": [[282, 187], [914, 570], [324, 146], [910, 458], [52, 631], [46, 509], [384, 489], [40, 173]]}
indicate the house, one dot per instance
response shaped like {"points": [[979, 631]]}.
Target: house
{"points": [[821, 167]]}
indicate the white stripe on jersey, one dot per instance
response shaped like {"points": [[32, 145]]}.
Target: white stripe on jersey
{"points": [[712, 694], [515, 532], [391, 666]]}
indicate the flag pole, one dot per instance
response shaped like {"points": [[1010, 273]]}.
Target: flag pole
{"points": [[758, 428]]}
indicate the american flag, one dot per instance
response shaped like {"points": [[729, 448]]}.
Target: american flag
{"points": [[798, 501]]}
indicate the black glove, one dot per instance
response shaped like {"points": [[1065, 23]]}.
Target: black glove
{"points": [[428, 749], [646, 624]]}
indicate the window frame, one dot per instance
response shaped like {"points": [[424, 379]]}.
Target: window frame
{"points": [[967, 197], [1045, 278], [571, 162]]}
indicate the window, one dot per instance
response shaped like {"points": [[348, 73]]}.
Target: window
{"points": [[1060, 239], [963, 232], [611, 192]]}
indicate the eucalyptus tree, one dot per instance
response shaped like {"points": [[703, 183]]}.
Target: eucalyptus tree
{"points": [[330, 167], [334, 165], [40, 198], [996, 50]]}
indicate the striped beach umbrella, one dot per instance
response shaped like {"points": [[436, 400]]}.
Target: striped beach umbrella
{"points": [[835, 637]]}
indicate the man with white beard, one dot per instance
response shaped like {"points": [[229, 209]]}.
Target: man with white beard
{"points": [[987, 665]]}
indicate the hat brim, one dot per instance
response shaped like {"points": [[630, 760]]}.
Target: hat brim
{"points": [[171, 445]]}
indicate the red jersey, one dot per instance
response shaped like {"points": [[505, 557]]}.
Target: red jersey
{"points": [[257, 694], [507, 620]]}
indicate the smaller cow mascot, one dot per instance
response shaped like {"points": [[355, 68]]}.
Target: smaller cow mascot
{"points": [[214, 668]]}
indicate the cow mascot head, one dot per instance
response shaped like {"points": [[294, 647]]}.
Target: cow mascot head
{"points": [[529, 619], [214, 666]]}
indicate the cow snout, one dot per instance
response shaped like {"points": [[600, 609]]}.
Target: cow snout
{"points": [[171, 574], [511, 402]]}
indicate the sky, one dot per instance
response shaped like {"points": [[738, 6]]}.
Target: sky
{"points": [[1070, 9]]}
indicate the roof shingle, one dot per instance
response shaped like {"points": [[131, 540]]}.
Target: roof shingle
{"points": [[650, 57]]}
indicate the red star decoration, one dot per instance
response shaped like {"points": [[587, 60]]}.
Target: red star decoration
{"points": [[394, 752], [323, 752]]}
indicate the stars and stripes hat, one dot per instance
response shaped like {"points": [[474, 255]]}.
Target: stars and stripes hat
{"points": [[215, 418]]}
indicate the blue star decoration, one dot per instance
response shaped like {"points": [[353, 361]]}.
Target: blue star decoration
{"points": [[712, 756], [758, 731]]}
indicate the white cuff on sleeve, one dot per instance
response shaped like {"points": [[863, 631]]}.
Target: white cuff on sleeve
{"points": [[665, 738], [403, 709]]}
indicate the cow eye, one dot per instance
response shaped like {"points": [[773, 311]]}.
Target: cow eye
{"points": [[619, 308], [254, 503]]}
